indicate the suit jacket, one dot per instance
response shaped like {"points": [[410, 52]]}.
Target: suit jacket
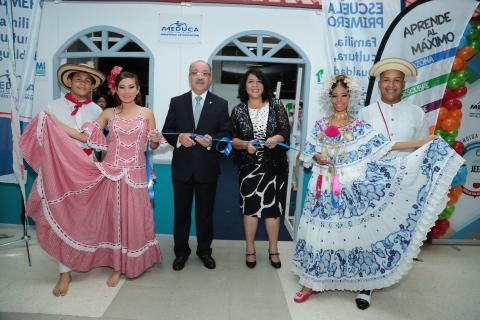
{"points": [[196, 162]]}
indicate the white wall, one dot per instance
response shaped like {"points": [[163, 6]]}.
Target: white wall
{"points": [[63, 20]]}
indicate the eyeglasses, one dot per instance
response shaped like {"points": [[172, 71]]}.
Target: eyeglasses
{"points": [[200, 74]]}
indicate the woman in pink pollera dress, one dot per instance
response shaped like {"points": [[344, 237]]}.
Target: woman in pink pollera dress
{"points": [[90, 214]]}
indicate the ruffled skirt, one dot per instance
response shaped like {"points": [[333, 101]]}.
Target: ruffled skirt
{"points": [[84, 219], [366, 237]]}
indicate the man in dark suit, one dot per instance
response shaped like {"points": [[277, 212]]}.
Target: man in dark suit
{"points": [[195, 166]]}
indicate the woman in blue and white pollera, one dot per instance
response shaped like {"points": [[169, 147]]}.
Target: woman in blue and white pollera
{"points": [[365, 216]]}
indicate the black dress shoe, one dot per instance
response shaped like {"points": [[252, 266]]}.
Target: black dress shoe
{"points": [[275, 264], [208, 261], [179, 263], [363, 299], [250, 264]]}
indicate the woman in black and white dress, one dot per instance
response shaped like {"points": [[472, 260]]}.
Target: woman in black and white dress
{"points": [[263, 168]]}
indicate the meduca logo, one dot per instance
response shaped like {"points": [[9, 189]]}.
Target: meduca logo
{"points": [[40, 69], [5, 86], [180, 29]]}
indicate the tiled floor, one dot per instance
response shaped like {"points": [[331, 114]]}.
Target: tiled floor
{"points": [[446, 285]]}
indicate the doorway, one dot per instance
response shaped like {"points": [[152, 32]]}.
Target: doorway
{"points": [[103, 47], [286, 66]]}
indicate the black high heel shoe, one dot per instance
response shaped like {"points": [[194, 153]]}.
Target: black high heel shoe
{"points": [[275, 264], [250, 264]]}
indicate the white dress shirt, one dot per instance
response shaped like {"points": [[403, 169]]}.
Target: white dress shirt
{"points": [[62, 109], [400, 122]]}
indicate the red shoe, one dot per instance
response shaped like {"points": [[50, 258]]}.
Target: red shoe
{"points": [[301, 296]]}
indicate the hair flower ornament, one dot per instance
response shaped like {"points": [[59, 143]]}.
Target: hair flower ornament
{"points": [[112, 77]]}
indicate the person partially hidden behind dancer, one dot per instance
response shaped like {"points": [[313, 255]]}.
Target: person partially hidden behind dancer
{"points": [[90, 214], [102, 101], [365, 215], [399, 121]]}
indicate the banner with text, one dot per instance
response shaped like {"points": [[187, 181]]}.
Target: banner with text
{"points": [[465, 220], [19, 27], [427, 34], [354, 29]]}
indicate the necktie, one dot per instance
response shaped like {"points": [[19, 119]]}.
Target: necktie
{"points": [[78, 104], [197, 110]]}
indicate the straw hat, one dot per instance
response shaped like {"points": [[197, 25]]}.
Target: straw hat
{"points": [[399, 64], [65, 70]]}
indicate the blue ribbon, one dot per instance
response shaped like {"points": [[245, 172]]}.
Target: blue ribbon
{"points": [[229, 143], [225, 151], [228, 146], [151, 193]]}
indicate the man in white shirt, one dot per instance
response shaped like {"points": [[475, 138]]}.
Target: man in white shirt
{"points": [[74, 109], [402, 122]]}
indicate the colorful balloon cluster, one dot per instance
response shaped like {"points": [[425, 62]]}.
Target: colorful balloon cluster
{"points": [[450, 115]]}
